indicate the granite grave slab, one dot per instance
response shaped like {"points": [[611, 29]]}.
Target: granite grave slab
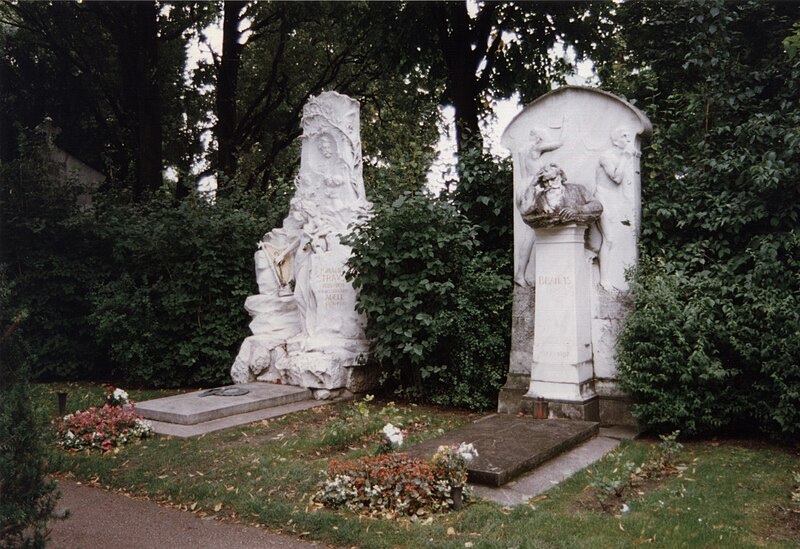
{"points": [[509, 446]]}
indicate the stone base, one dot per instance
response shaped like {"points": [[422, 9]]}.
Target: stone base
{"points": [[333, 371], [615, 404], [587, 410], [616, 411], [509, 401]]}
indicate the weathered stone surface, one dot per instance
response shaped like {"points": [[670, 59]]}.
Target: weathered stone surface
{"points": [[509, 400], [522, 326], [587, 409], [549, 474], [192, 408], [306, 328], [509, 446]]}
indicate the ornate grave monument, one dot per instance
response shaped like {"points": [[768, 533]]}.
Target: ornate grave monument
{"points": [[578, 195], [306, 330]]}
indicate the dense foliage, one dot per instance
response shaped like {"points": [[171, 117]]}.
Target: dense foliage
{"points": [[148, 292], [437, 306], [714, 340], [484, 194], [27, 496], [170, 313], [52, 261]]}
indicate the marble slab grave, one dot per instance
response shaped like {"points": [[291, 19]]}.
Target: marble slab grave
{"points": [[193, 408], [509, 446]]}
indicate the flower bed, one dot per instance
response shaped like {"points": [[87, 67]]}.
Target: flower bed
{"points": [[100, 428], [396, 484]]}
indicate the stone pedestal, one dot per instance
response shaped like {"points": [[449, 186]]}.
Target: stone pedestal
{"points": [[562, 371]]}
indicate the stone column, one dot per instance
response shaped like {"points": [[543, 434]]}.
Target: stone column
{"points": [[562, 370]]}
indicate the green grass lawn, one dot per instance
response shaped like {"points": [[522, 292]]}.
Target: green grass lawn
{"points": [[728, 494]]}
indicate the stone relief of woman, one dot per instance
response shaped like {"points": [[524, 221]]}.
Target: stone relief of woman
{"points": [[616, 173], [533, 163]]}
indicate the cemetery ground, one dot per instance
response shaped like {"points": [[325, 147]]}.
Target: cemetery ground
{"points": [[715, 493]]}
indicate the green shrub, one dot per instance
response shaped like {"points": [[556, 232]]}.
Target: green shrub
{"points": [[52, 260], [172, 313], [437, 307], [27, 497], [714, 341], [667, 361], [484, 193], [717, 350]]}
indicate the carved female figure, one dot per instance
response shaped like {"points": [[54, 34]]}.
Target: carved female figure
{"points": [[533, 163], [619, 224]]}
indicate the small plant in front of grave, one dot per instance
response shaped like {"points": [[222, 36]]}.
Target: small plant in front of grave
{"points": [[389, 485], [391, 439], [795, 494], [609, 488], [615, 483], [663, 463], [101, 429], [116, 396], [357, 421]]}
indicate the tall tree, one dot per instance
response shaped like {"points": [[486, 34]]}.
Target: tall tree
{"points": [[115, 72], [292, 51], [495, 49], [134, 30]]}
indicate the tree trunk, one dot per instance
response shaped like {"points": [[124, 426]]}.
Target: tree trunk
{"points": [[226, 92], [134, 29], [455, 39], [148, 97]]}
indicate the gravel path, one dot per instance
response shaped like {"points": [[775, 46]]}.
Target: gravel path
{"points": [[102, 519]]}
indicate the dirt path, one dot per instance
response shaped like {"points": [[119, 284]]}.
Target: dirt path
{"points": [[102, 519]]}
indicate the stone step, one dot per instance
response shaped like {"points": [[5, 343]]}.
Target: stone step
{"points": [[194, 408], [509, 446]]}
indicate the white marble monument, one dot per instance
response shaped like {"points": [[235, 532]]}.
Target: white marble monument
{"points": [[577, 192], [306, 330]]}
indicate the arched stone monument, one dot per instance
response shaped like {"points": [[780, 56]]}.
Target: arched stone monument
{"points": [[306, 330], [577, 192]]}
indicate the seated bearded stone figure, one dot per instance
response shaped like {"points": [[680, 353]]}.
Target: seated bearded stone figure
{"points": [[551, 201]]}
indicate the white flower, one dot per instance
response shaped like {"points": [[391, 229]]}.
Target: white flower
{"points": [[467, 451], [120, 396], [393, 435]]}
